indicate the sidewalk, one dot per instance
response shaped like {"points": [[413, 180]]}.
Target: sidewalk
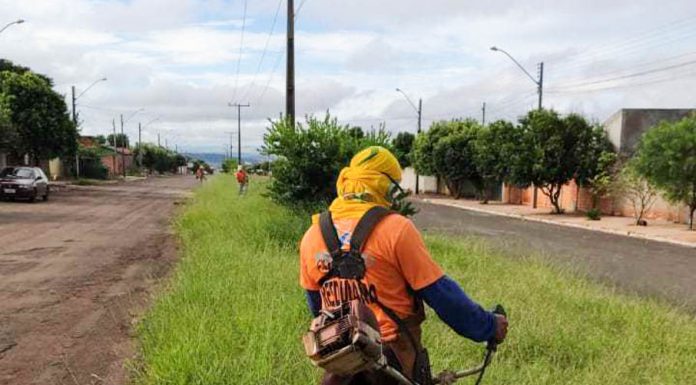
{"points": [[657, 230]]}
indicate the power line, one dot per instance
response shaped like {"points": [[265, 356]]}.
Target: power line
{"points": [[270, 77], [265, 49], [628, 76], [630, 85], [241, 47], [299, 8], [648, 38]]}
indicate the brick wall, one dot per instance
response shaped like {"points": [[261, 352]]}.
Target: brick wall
{"points": [[571, 196]]}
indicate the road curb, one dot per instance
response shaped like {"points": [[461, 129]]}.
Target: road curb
{"points": [[550, 222]]}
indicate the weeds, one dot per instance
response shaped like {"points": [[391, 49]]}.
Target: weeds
{"points": [[233, 313]]}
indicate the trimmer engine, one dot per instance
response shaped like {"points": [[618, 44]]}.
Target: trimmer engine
{"points": [[345, 340]]}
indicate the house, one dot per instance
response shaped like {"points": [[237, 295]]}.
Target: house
{"points": [[624, 128]]}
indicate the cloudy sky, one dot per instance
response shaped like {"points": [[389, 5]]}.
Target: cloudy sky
{"points": [[184, 60]]}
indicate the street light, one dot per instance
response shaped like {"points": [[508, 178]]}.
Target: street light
{"points": [[74, 112], [140, 137], [540, 90], [20, 21], [419, 111], [123, 156], [539, 82]]}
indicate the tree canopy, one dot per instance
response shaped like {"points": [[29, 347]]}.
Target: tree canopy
{"points": [[403, 144], [122, 140], [666, 157], [38, 117]]}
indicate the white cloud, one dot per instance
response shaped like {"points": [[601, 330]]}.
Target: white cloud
{"points": [[178, 59]]}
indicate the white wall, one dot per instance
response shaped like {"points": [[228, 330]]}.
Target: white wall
{"points": [[427, 184]]}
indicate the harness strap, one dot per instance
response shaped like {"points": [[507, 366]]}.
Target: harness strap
{"points": [[361, 233], [364, 228], [328, 232]]}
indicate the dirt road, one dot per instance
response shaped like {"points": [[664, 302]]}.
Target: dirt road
{"points": [[633, 265], [74, 273]]}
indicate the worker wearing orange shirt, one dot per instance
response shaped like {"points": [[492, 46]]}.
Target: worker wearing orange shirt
{"points": [[400, 273]]}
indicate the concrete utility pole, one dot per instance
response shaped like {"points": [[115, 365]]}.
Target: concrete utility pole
{"points": [[483, 114], [229, 149], [74, 119], [158, 140], [290, 70], [123, 149], [140, 145], [113, 140], [74, 110], [239, 130]]}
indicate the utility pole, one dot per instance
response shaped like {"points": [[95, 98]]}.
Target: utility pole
{"points": [[113, 140], [540, 84], [290, 70], [483, 114], [166, 144], [123, 149], [158, 140], [74, 119], [140, 145], [229, 149], [420, 117], [239, 129]]}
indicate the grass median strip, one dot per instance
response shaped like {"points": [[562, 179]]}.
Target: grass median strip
{"points": [[232, 312]]}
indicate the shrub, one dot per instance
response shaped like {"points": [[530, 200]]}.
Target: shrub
{"points": [[593, 214], [229, 165], [310, 157]]}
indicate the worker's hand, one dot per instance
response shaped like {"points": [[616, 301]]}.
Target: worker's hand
{"points": [[501, 327]]}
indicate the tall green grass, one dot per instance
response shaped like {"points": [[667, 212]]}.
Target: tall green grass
{"points": [[232, 312]]}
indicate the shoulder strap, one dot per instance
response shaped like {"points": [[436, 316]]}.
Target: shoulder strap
{"points": [[364, 228], [328, 232]]}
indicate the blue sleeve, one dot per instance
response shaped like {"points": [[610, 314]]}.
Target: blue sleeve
{"points": [[313, 301], [458, 311]]}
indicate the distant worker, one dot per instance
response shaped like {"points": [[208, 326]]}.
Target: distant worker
{"points": [[242, 179], [200, 174]]}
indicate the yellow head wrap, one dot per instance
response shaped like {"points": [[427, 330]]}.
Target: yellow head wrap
{"points": [[364, 184]]}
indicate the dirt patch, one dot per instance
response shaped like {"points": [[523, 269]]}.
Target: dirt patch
{"points": [[76, 272]]}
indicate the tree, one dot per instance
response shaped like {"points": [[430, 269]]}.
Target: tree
{"points": [[8, 135], [424, 146], [356, 132], [666, 158], [550, 152], [494, 145], [122, 140], [403, 144], [101, 139], [38, 116], [454, 157], [598, 163], [632, 186]]}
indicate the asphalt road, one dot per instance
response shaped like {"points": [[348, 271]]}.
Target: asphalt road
{"points": [[632, 265], [74, 272]]}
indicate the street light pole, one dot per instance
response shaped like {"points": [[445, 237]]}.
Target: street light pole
{"points": [[540, 89], [419, 110], [539, 82], [74, 111], [20, 21], [123, 140]]}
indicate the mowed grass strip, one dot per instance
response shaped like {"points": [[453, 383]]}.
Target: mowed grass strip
{"points": [[232, 312]]}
